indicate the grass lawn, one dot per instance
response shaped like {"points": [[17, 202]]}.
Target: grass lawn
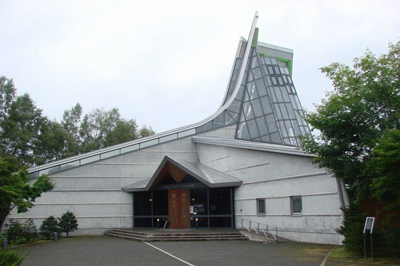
{"points": [[341, 254]]}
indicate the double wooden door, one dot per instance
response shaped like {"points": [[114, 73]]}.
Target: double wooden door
{"points": [[179, 208]]}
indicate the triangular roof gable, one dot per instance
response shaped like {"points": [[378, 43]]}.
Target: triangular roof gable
{"points": [[178, 170]]}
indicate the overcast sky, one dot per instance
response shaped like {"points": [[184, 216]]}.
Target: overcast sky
{"points": [[167, 63]]}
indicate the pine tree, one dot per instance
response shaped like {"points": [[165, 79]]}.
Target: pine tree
{"points": [[49, 226], [68, 223]]}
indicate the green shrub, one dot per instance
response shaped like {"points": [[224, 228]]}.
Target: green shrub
{"points": [[67, 223], [30, 230], [49, 225], [14, 232]]}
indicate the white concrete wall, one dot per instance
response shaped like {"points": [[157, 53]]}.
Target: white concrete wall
{"points": [[276, 177], [93, 191]]}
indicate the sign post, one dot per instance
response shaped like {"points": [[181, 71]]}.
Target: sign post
{"points": [[369, 226]]}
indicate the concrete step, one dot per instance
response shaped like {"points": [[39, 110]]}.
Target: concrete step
{"points": [[176, 236]]}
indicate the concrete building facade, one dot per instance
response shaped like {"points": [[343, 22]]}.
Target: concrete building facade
{"points": [[241, 165]]}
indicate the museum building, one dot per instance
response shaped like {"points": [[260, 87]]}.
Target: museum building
{"points": [[241, 165]]}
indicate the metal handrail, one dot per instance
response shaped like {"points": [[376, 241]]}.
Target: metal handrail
{"points": [[257, 229]]}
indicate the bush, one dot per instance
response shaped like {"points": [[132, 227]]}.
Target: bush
{"points": [[67, 223], [14, 232], [30, 230], [49, 225], [385, 242], [11, 258]]}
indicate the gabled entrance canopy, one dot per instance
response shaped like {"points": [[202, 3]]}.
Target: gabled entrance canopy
{"points": [[178, 169]]}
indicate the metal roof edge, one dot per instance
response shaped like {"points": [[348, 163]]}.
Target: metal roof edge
{"points": [[251, 145]]}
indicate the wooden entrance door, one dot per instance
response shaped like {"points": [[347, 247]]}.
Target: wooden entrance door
{"points": [[179, 208]]}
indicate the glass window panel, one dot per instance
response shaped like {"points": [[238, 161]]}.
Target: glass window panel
{"points": [[284, 79], [235, 106], [265, 70], [289, 89], [160, 202], [109, 154], [198, 200], [253, 129], [242, 117], [292, 88], [219, 120], [290, 111], [296, 205], [234, 75], [284, 111], [282, 64], [247, 109], [233, 115], [239, 95], [282, 129], [297, 101], [270, 70], [90, 159], [257, 107], [266, 138], [142, 203], [262, 90], [289, 79], [277, 111], [228, 119], [285, 94], [243, 132], [257, 73], [52, 170], [168, 138], [266, 105], [204, 127], [186, 133], [296, 127], [293, 141], [287, 71], [274, 82], [262, 126], [277, 70], [289, 128], [260, 207], [268, 79], [294, 104], [273, 61], [246, 96], [271, 123], [280, 81], [148, 143], [282, 70], [286, 141], [307, 130], [278, 94], [275, 138], [299, 119], [69, 165], [267, 60], [252, 90], [254, 62], [130, 148], [250, 76]]}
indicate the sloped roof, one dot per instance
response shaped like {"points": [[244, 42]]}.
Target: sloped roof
{"points": [[206, 175]]}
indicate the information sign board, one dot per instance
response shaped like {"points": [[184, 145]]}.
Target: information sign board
{"points": [[369, 224]]}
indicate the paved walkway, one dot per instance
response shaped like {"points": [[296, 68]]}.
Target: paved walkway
{"points": [[108, 251]]}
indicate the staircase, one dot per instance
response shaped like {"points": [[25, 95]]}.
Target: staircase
{"points": [[176, 236]]}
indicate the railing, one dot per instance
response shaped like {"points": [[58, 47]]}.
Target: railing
{"points": [[260, 229]]}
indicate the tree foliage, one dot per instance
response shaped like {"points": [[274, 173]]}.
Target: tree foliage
{"points": [[15, 189], [363, 107], [48, 227], [34, 139], [68, 223]]}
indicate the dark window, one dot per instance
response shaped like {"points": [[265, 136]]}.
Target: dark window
{"points": [[142, 203], [198, 200], [220, 222], [142, 222], [160, 202], [220, 201], [261, 207], [201, 222], [296, 205]]}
